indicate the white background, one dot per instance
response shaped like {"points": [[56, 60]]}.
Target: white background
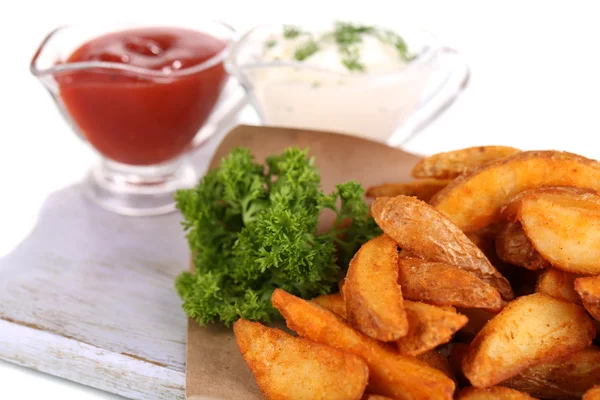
{"points": [[535, 84]]}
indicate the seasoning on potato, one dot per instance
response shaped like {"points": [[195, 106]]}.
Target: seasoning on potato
{"points": [[563, 226], [566, 377], [507, 344], [473, 201], [286, 367], [451, 164], [425, 233], [391, 374], [371, 291], [445, 285], [430, 286]]}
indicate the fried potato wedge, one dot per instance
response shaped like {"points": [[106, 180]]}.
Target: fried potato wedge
{"points": [[424, 232], [511, 211], [429, 326], [422, 189], [474, 200], [333, 302], [528, 331], [559, 284], [514, 247], [592, 394], [563, 225], [588, 289], [444, 284], [286, 367], [437, 360], [451, 164], [563, 378], [492, 393], [371, 291], [390, 374]]}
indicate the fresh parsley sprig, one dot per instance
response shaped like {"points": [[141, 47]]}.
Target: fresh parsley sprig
{"points": [[253, 228]]}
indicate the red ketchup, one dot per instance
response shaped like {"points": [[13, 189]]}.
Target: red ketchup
{"points": [[140, 119]]}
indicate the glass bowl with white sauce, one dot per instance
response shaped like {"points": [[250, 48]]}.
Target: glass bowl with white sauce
{"points": [[357, 79]]}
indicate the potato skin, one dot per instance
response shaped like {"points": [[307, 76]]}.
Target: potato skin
{"points": [[290, 368], [374, 303], [445, 285], [449, 165], [425, 233], [514, 247], [390, 374], [512, 341], [474, 200], [564, 378]]}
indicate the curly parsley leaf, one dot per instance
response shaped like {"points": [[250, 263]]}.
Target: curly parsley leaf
{"points": [[253, 228]]}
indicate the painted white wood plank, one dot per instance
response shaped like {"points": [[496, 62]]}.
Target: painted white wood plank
{"points": [[90, 365], [104, 281], [93, 294]]}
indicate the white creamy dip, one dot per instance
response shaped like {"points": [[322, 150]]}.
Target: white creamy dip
{"points": [[367, 89]]}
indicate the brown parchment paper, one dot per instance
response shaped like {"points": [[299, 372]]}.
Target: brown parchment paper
{"points": [[214, 367]]}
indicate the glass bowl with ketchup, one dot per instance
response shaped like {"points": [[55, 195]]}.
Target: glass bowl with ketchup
{"points": [[138, 95]]}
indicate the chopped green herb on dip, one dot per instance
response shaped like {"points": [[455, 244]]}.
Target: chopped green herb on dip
{"points": [[355, 47]]}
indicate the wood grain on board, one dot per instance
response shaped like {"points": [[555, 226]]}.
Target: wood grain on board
{"points": [[89, 296], [215, 368]]}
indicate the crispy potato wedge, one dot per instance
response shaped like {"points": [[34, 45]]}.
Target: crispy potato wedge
{"points": [[588, 289], [473, 201], [492, 393], [530, 330], [564, 378], [422, 189], [477, 320], [286, 367], [436, 360], [512, 209], [391, 374], [559, 284], [424, 232], [371, 291], [451, 164], [592, 394], [429, 326], [513, 246], [333, 302], [444, 284], [563, 225]]}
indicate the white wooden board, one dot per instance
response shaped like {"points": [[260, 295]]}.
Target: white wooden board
{"points": [[89, 296]]}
